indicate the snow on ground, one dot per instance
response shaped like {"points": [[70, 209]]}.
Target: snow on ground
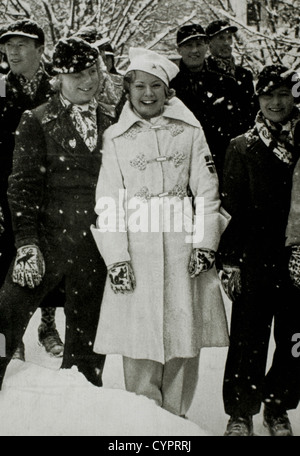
{"points": [[38, 399]]}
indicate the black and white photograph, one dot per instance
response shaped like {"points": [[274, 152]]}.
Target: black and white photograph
{"points": [[149, 221]]}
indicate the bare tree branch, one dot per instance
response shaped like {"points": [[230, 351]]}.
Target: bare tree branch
{"points": [[222, 5], [26, 11], [294, 43], [213, 10], [113, 13], [169, 30], [128, 19], [162, 35], [51, 18], [72, 15]]}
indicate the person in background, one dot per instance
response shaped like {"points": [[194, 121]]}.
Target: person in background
{"points": [[27, 86], [110, 59], [257, 186], [116, 77], [211, 96], [191, 81], [4, 67], [162, 299], [237, 108]]}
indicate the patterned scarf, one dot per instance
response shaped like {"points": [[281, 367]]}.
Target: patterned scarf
{"points": [[30, 87], [226, 66], [279, 137], [84, 118]]}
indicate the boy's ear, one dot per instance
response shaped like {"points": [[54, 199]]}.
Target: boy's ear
{"points": [[41, 50]]}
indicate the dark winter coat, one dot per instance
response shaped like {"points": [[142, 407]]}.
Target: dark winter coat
{"points": [[293, 226], [52, 186], [257, 194], [222, 104], [11, 110], [52, 197]]}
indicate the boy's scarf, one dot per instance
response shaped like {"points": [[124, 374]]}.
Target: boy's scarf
{"points": [[226, 66], [30, 87], [84, 118], [279, 137]]}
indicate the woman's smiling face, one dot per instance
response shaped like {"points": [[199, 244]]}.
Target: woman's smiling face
{"points": [[277, 105], [147, 94]]}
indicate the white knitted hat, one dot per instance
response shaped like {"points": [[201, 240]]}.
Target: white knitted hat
{"points": [[153, 63]]}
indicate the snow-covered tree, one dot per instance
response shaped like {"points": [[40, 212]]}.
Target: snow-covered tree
{"points": [[270, 33], [268, 29], [119, 19]]}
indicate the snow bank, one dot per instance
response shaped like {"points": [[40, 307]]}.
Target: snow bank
{"points": [[37, 401]]}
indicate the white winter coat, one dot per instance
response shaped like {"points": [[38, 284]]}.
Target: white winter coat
{"points": [[169, 315]]}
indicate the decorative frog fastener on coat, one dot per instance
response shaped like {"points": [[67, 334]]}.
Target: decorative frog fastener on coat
{"points": [[141, 163], [145, 194]]}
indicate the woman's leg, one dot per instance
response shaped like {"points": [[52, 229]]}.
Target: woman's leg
{"points": [[180, 378], [144, 377]]}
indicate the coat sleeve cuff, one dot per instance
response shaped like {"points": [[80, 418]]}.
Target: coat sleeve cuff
{"points": [[112, 246], [214, 226], [30, 240]]}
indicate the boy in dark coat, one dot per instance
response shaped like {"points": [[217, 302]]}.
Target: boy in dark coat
{"points": [[26, 87], [293, 226], [52, 199], [257, 181]]}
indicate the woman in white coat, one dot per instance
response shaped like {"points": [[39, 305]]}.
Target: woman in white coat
{"points": [[162, 301]]}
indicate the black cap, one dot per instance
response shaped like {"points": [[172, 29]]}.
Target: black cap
{"points": [[24, 27], [92, 36], [73, 55], [273, 76], [3, 29], [219, 26], [190, 32]]}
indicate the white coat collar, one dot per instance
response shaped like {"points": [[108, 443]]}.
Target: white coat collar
{"points": [[175, 110]]}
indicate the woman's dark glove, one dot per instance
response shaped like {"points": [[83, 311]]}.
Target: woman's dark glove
{"points": [[29, 267], [122, 277], [202, 260]]}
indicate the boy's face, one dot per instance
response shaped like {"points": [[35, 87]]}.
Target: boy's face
{"points": [[147, 94], [221, 45], [193, 53], [80, 88], [23, 55], [277, 105]]}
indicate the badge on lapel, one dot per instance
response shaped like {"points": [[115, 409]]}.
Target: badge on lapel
{"points": [[72, 143]]}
